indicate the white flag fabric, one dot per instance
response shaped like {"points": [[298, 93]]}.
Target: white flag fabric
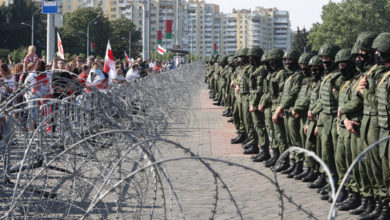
{"points": [[60, 52], [161, 50], [109, 64]]}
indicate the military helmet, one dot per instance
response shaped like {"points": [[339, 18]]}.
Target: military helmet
{"points": [[264, 58], [224, 59], [382, 43], [237, 54], [328, 50], [275, 54], [364, 40], [315, 61], [305, 58], [355, 50], [256, 52], [344, 55], [291, 54], [243, 52], [231, 59]]}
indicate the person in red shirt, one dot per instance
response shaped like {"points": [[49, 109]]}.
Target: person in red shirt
{"points": [[84, 74]]}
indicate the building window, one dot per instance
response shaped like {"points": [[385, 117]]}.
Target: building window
{"points": [[113, 9]]}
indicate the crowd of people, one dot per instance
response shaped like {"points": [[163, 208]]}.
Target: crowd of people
{"points": [[34, 79], [334, 103]]}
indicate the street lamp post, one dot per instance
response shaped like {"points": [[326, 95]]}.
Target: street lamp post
{"points": [[88, 33], [32, 25], [130, 43]]}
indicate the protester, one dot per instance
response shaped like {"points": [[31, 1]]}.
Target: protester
{"points": [[132, 74], [31, 57]]}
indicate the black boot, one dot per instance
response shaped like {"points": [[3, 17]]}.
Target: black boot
{"points": [[271, 162], [323, 190], [343, 196], [229, 114], [230, 120], [225, 112], [298, 169], [311, 177], [352, 202], [304, 174], [239, 139], [263, 156], [319, 182], [252, 149], [374, 214], [363, 205], [283, 165], [246, 141], [385, 214], [291, 168]]}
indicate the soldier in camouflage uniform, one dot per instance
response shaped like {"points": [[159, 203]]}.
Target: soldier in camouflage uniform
{"points": [[372, 122], [350, 114], [297, 119], [248, 85], [326, 109], [237, 112], [269, 104], [223, 62], [228, 97], [307, 104], [287, 98]]}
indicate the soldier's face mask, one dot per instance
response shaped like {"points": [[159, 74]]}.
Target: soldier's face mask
{"points": [[305, 69], [381, 58], [274, 64], [347, 69], [327, 62], [316, 72]]}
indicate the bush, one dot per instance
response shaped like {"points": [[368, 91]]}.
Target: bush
{"points": [[19, 54]]}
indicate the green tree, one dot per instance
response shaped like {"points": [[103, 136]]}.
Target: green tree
{"points": [[300, 42], [342, 22], [73, 32], [15, 35], [119, 37]]}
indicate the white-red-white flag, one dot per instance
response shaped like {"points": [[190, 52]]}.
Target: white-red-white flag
{"points": [[109, 64], [60, 52], [161, 50], [127, 58]]}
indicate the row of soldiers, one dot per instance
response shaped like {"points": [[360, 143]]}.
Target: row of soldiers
{"points": [[335, 103]]}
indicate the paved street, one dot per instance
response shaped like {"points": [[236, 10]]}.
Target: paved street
{"points": [[208, 134]]}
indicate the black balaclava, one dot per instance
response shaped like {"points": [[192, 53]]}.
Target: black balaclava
{"points": [[293, 66], [316, 72], [381, 58], [275, 64], [348, 71]]}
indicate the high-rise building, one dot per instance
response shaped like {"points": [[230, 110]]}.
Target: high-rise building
{"points": [[201, 28]]}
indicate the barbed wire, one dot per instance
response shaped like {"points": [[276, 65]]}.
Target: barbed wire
{"points": [[86, 153]]}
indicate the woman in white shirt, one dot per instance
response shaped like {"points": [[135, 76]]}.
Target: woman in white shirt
{"points": [[132, 74]]}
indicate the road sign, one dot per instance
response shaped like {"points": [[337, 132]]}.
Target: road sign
{"points": [[49, 6]]}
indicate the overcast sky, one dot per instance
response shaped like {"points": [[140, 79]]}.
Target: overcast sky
{"points": [[303, 13]]}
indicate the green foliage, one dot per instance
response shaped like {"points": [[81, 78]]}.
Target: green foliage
{"points": [[168, 56], [342, 22], [4, 53], [19, 54], [119, 37], [75, 42], [13, 33], [300, 41]]}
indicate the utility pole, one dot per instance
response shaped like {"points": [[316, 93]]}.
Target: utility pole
{"points": [[130, 43], [177, 23], [50, 42], [144, 34]]}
